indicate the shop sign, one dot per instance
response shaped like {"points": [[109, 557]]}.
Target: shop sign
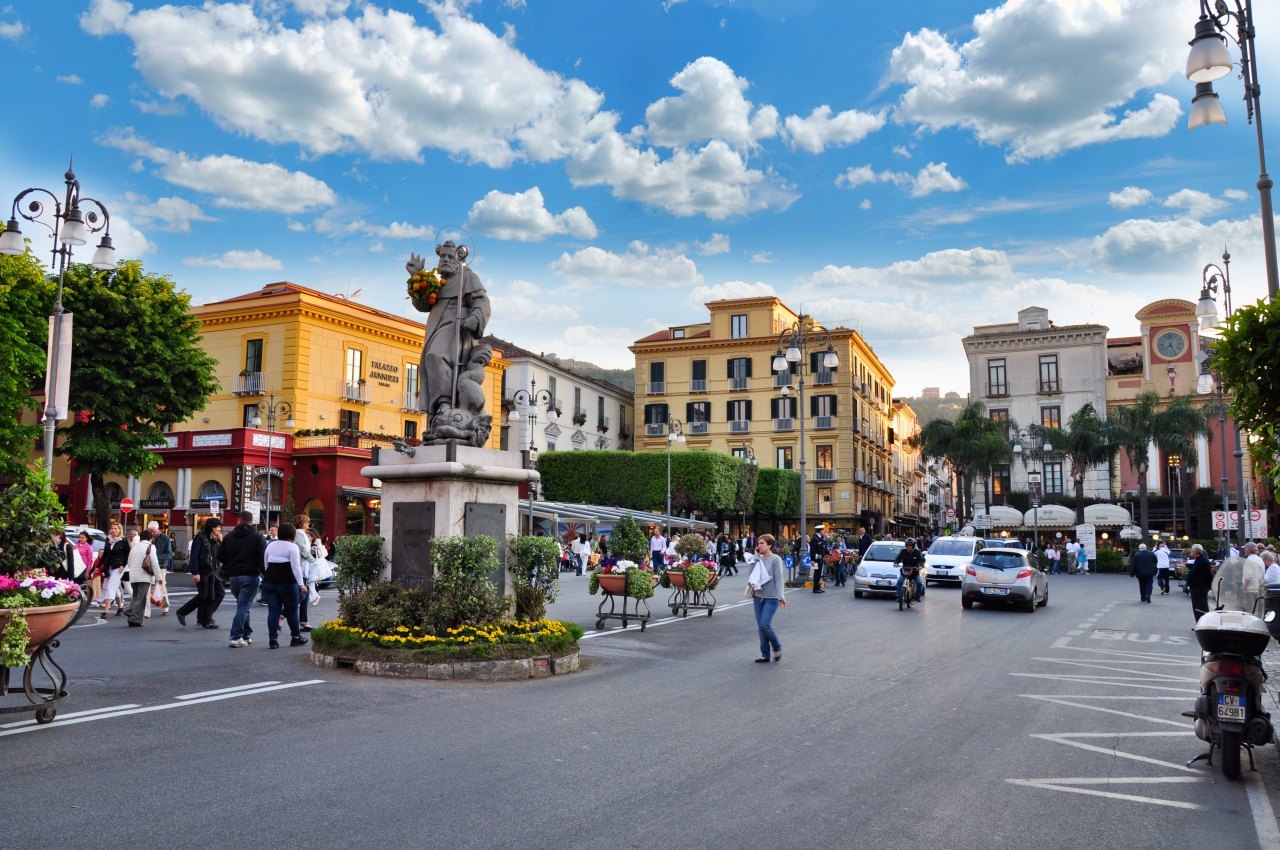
{"points": [[241, 486], [155, 504], [199, 505]]}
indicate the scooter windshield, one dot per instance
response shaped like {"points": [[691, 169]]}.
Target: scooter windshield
{"points": [[1233, 590]]}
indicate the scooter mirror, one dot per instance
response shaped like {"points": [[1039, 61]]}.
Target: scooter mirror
{"points": [[1270, 617]]}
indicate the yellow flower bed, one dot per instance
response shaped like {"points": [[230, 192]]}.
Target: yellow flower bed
{"points": [[516, 631]]}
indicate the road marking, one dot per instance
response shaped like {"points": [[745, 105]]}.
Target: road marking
{"points": [[1118, 681], [103, 715], [75, 714], [1071, 786], [1264, 817], [1126, 662], [226, 690], [1087, 706], [1146, 674], [1070, 739], [1065, 643], [663, 622]]}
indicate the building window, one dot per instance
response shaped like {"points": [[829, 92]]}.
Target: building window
{"points": [[355, 365], [698, 380], [1051, 417], [1049, 373], [657, 377], [250, 413], [411, 429], [996, 383], [1053, 478], [697, 411], [1000, 417], [822, 405], [740, 452], [739, 411], [253, 355], [739, 373], [784, 457], [1000, 483], [738, 326], [677, 333], [411, 385], [551, 391], [348, 420], [826, 463], [551, 447]]}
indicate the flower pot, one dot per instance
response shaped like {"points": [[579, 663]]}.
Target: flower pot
{"points": [[614, 583], [677, 578], [42, 623]]}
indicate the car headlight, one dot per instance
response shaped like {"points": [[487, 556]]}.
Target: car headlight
{"points": [[860, 571]]}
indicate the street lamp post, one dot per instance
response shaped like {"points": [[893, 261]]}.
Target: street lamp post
{"points": [[1045, 446], [530, 398], [1207, 313], [1209, 60], [274, 409], [675, 434], [71, 228], [1175, 474], [748, 454], [794, 344]]}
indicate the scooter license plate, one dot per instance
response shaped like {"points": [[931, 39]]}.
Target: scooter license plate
{"points": [[996, 591], [1230, 707]]}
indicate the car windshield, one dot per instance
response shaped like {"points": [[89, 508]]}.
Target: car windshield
{"points": [[1001, 543], [951, 547], [999, 560], [883, 552]]}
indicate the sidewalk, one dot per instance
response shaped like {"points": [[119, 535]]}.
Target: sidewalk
{"points": [[1271, 702]]}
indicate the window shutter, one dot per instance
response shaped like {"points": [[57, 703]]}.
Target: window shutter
{"points": [[813, 405], [728, 411], [748, 365], [774, 406], [834, 401], [814, 360], [729, 368], [690, 409], [748, 417]]}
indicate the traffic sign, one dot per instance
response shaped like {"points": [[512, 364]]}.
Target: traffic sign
{"points": [[806, 560], [789, 561], [126, 505], [951, 513], [214, 506]]}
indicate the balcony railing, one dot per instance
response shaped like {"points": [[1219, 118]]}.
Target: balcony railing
{"points": [[824, 378], [657, 387], [410, 403], [357, 391], [824, 474], [785, 424], [696, 427], [1000, 390], [248, 383], [781, 379], [739, 426], [739, 383], [1050, 388], [655, 429], [824, 423], [698, 385], [602, 424], [860, 477]]}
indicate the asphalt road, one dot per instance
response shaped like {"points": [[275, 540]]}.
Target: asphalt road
{"points": [[934, 727]]}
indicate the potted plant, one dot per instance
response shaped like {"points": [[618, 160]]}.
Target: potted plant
{"points": [[622, 578]]}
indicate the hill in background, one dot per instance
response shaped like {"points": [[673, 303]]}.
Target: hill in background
{"points": [[625, 378], [929, 409]]}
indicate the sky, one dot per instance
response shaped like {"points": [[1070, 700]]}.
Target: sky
{"points": [[909, 171]]}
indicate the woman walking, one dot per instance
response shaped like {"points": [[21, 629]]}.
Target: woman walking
{"points": [[767, 577], [85, 547], [114, 560], [282, 583]]}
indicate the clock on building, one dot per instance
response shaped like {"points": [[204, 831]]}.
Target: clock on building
{"points": [[1170, 344]]}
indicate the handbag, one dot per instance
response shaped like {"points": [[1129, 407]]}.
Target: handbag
{"points": [[750, 591]]}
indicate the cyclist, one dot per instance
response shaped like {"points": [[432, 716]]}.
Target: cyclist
{"points": [[911, 561]]}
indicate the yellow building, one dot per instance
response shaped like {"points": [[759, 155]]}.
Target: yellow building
{"points": [[343, 380], [910, 499], [716, 380]]}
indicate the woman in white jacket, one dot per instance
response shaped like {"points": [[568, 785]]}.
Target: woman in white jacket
{"points": [[308, 556], [144, 566]]}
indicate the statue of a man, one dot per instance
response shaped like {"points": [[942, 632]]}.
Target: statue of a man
{"points": [[456, 320]]}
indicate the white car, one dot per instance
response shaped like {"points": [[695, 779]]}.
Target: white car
{"points": [[876, 572], [97, 539], [948, 556]]}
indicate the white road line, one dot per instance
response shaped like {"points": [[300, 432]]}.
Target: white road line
{"points": [[1126, 662], [1264, 817], [1087, 706], [1065, 643], [662, 622], [1069, 783], [70, 721], [76, 714], [226, 690], [1116, 681], [1148, 675], [1069, 739]]}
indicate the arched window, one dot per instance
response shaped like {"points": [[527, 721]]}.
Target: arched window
{"points": [[114, 492], [160, 492], [212, 490], [314, 509]]}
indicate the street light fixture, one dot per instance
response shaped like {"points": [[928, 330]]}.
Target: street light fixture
{"points": [[1210, 382], [797, 340], [274, 409], [675, 434], [1045, 447], [530, 398], [1210, 60], [71, 228]]}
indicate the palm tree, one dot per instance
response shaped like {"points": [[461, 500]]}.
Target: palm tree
{"points": [[1148, 422], [1086, 442], [962, 443]]}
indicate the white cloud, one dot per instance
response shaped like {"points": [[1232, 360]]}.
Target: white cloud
{"points": [[1235, 194], [934, 177], [950, 267], [821, 130], [253, 260], [12, 30], [160, 107], [1022, 83], [899, 150], [865, 205], [762, 258], [234, 182], [170, 214], [515, 302], [1143, 247], [338, 222], [70, 79], [320, 8], [1197, 204], [717, 244], [728, 290], [524, 217], [1129, 197], [710, 105], [640, 266], [99, 100], [129, 241]]}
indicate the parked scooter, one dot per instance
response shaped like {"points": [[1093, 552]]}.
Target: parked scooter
{"points": [[1228, 712]]}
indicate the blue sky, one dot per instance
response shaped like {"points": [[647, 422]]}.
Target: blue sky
{"points": [[910, 171]]}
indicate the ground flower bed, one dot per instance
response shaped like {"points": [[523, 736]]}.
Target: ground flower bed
{"points": [[505, 641]]}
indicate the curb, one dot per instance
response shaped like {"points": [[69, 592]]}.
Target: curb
{"points": [[1271, 666], [538, 667]]}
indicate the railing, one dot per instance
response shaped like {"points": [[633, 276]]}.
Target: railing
{"points": [[784, 424], [655, 429], [860, 476], [250, 383], [698, 385], [739, 383], [824, 423], [821, 474], [739, 426], [602, 424], [824, 378], [357, 391], [1050, 387], [781, 379], [410, 403], [696, 427], [657, 387], [997, 390], [349, 440]]}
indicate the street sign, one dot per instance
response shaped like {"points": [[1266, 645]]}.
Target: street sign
{"points": [[126, 506], [789, 561], [951, 513], [1255, 524], [981, 520], [806, 560], [214, 506]]}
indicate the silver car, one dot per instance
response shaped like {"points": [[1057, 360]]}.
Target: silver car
{"points": [[876, 572], [1006, 576]]}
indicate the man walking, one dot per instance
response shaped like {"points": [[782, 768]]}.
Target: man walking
{"points": [[864, 541], [1199, 580], [242, 551], [205, 557], [1162, 567], [1144, 568]]}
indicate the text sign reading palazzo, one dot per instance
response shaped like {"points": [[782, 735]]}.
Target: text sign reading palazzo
{"points": [[385, 372]]}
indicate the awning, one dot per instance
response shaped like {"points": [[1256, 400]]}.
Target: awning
{"points": [[1003, 516], [1050, 516], [595, 514], [1111, 516], [360, 492]]}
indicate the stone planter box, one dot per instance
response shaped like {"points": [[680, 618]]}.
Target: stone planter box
{"points": [[476, 671]]}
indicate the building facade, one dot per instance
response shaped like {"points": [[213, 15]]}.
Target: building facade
{"points": [[1034, 372], [716, 379], [910, 493]]}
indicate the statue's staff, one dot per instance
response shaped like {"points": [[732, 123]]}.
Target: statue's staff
{"points": [[457, 332]]}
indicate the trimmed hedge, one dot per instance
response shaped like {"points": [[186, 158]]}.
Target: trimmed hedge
{"points": [[777, 493], [701, 481]]}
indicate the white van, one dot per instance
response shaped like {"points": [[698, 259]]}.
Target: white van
{"points": [[948, 556]]}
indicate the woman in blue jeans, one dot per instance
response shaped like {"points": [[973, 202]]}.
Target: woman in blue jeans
{"points": [[281, 583], [768, 576]]}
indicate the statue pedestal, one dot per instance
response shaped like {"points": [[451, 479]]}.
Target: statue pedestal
{"points": [[446, 491]]}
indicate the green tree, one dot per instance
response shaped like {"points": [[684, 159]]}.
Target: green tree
{"points": [[1246, 358], [24, 330], [971, 443], [137, 365], [1171, 427], [777, 493], [1086, 442]]}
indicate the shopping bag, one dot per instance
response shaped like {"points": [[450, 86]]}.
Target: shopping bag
{"points": [[158, 598]]}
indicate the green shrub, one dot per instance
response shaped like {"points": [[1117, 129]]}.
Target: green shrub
{"points": [[1110, 561], [629, 542], [30, 515], [691, 545], [697, 577], [461, 592], [360, 562], [535, 570], [382, 606]]}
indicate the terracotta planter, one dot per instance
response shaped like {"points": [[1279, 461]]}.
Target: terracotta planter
{"points": [[614, 583], [676, 577], [43, 623]]}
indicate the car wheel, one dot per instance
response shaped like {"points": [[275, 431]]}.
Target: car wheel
{"points": [[1044, 603], [1030, 605], [857, 594], [966, 603]]}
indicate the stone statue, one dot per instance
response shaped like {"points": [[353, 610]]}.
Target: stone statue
{"points": [[453, 359]]}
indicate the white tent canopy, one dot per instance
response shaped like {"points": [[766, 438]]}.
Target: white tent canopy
{"points": [[1050, 516], [1107, 515], [1003, 516]]}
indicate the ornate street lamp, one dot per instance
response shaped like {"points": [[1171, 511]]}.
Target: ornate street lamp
{"points": [[675, 434], [274, 409], [794, 346], [71, 228], [1025, 436], [530, 399], [1210, 60]]}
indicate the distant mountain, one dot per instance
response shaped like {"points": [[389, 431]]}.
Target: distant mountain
{"points": [[929, 409], [625, 378]]}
